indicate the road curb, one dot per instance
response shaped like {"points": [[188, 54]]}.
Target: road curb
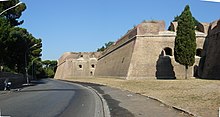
{"points": [[150, 97], [106, 110]]}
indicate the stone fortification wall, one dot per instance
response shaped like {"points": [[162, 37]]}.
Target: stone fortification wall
{"points": [[202, 27], [150, 27], [145, 52], [121, 42], [76, 65], [209, 64], [153, 56], [115, 61]]}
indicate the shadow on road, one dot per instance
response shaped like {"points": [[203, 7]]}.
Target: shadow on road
{"points": [[20, 85], [115, 109], [45, 90], [37, 82]]}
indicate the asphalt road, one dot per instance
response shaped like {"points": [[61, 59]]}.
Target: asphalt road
{"points": [[51, 98]]}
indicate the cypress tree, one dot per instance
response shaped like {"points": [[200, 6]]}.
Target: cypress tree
{"points": [[185, 41]]}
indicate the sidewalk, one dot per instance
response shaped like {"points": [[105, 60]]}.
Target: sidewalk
{"points": [[127, 104]]}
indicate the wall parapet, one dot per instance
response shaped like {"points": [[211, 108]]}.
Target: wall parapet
{"points": [[145, 28], [135, 55], [73, 64], [115, 48]]}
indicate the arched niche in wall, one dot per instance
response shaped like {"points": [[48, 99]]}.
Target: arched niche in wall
{"points": [[168, 51]]}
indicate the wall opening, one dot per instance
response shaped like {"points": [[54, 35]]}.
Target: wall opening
{"points": [[91, 73], [80, 66], [93, 66], [164, 67], [199, 52], [168, 51], [123, 60]]}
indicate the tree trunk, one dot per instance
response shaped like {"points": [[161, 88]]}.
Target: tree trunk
{"points": [[186, 69]]}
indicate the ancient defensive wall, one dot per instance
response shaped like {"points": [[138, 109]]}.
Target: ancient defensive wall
{"points": [[72, 64], [209, 66], [146, 52]]}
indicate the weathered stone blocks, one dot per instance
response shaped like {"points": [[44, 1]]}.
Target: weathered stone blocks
{"points": [[144, 52], [209, 66]]}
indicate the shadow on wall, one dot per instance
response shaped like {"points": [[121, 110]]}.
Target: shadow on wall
{"points": [[164, 67], [196, 71], [209, 65]]}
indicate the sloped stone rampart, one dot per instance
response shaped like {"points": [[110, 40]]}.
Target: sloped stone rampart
{"points": [[116, 62], [144, 52]]}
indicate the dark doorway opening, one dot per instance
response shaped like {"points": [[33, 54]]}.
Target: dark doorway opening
{"points": [[168, 51]]}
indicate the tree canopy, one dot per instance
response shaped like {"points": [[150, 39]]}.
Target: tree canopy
{"points": [[177, 18], [185, 41], [13, 14], [105, 46], [49, 68], [18, 47], [21, 42]]}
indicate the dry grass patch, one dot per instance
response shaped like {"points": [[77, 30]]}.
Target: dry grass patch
{"points": [[201, 97]]}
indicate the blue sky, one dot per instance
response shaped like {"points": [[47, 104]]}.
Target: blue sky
{"points": [[85, 25]]}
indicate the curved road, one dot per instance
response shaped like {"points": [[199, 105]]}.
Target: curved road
{"points": [[51, 98]]}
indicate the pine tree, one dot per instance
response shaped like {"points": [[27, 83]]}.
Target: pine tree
{"points": [[185, 41], [14, 14]]}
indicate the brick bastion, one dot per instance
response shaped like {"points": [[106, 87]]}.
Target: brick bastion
{"points": [[144, 52]]}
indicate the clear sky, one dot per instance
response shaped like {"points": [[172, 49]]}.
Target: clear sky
{"points": [[85, 25]]}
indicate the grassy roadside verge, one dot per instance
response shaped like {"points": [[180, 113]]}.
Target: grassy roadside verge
{"points": [[201, 97]]}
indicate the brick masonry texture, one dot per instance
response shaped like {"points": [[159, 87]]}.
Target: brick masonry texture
{"points": [[144, 52], [76, 64], [209, 66]]}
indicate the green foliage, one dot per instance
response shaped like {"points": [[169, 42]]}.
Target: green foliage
{"points": [[16, 44], [36, 68], [185, 41], [177, 18], [105, 47], [50, 73], [13, 14], [49, 68], [4, 34], [39, 73], [21, 44], [101, 49]]}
